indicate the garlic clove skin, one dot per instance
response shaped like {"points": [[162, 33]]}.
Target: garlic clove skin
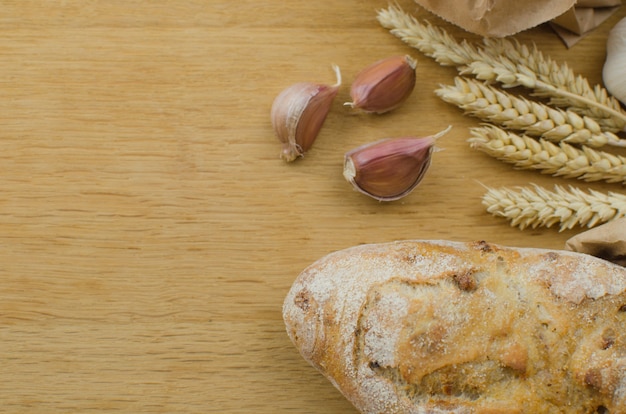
{"points": [[384, 85], [614, 70], [298, 114], [389, 169]]}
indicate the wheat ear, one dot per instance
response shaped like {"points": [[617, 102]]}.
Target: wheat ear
{"points": [[559, 160], [493, 105], [560, 83], [510, 64], [536, 206]]}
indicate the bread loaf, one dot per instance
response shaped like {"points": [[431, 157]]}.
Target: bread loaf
{"points": [[447, 327]]}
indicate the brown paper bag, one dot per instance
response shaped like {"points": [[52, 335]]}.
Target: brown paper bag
{"points": [[607, 241], [570, 19], [497, 18]]}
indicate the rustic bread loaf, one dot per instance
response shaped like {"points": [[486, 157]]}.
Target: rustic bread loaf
{"points": [[446, 327]]}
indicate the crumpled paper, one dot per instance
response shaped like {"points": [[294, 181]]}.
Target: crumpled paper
{"points": [[570, 19], [607, 241], [496, 18], [580, 20]]}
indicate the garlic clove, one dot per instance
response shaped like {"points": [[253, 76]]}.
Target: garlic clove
{"points": [[298, 114], [613, 69], [384, 85], [389, 169]]}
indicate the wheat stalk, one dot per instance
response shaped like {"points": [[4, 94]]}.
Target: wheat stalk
{"points": [[510, 64], [534, 207], [559, 160], [535, 119]]}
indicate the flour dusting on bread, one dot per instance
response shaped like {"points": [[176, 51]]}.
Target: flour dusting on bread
{"points": [[575, 277], [447, 327]]}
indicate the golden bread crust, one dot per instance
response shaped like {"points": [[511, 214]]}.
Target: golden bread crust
{"points": [[447, 327]]}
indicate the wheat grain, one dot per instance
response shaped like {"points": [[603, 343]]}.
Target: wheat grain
{"points": [[536, 206], [510, 64], [559, 160], [535, 119]]}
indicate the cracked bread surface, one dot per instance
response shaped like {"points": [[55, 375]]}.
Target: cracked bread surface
{"points": [[448, 327]]}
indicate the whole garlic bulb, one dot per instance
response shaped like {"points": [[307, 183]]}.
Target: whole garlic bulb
{"points": [[614, 70]]}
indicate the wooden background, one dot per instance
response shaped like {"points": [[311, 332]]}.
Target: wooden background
{"points": [[148, 230]]}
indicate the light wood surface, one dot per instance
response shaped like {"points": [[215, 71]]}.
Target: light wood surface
{"points": [[148, 229]]}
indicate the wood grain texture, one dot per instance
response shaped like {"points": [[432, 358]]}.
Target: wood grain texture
{"points": [[149, 231]]}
